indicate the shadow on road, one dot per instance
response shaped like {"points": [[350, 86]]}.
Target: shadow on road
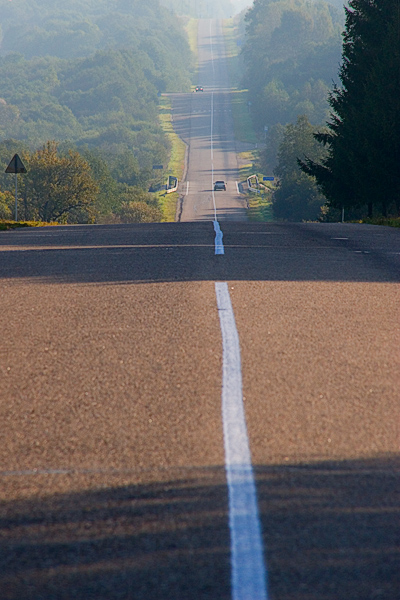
{"points": [[164, 252], [330, 530]]}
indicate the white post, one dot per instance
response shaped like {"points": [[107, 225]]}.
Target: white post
{"points": [[16, 196], [342, 215]]}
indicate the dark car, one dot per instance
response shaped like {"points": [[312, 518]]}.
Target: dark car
{"points": [[199, 89], [219, 185]]}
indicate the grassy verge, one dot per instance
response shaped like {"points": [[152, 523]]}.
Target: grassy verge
{"points": [[176, 164], [260, 208], [6, 225], [389, 222], [242, 122], [260, 205], [246, 160]]}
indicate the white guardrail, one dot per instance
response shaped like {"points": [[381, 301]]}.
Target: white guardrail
{"points": [[173, 189], [250, 187]]}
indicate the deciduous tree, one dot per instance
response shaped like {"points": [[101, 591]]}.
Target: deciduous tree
{"points": [[297, 197], [59, 185]]}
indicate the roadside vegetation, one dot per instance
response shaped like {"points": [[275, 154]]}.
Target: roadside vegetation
{"points": [[90, 79], [7, 225], [329, 148], [394, 222], [360, 170], [176, 165]]}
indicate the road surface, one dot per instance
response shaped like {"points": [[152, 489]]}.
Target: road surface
{"points": [[204, 121], [113, 461]]}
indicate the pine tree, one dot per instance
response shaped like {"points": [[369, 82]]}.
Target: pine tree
{"points": [[362, 166]]}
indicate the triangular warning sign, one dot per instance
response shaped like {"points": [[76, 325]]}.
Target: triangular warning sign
{"points": [[16, 165]]}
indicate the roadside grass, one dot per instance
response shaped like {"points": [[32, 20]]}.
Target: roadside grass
{"points": [[243, 126], [259, 205], [176, 165], [246, 168], [260, 208], [6, 225], [388, 222]]}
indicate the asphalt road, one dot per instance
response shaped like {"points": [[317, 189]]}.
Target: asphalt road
{"points": [[112, 457], [204, 121]]}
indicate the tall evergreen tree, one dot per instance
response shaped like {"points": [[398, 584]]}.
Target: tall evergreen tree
{"points": [[362, 166]]}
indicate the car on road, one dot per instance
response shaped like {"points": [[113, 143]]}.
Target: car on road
{"points": [[199, 89], [219, 186]]}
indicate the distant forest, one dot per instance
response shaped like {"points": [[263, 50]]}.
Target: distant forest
{"points": [[324, 88], [292, 54], [88, 74], [88, 71]]}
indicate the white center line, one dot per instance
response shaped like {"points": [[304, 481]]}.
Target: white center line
{"points": [[248, 575], [219, 246]]}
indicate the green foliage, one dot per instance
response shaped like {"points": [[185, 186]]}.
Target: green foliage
{"points": [[268, 156], [90, 74], [394, 222], [6, 224], [139, 212], [362, 164], [297, 197], [60, 188], [291, 55], [5, 205]]}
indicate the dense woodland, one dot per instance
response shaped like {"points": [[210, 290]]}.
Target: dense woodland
{"points": [[331, 103], [291, 55], [361, 166], [89, 74]]}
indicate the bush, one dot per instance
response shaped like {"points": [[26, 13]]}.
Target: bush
{"points": [[139, 212]]}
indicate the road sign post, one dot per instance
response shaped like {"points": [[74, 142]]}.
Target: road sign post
{"points": [[16, 166]]}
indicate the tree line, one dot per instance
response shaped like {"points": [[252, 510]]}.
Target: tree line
{"points": [[360, 169], [348, 159], [67, 186], [89, 75], [291, 54]]}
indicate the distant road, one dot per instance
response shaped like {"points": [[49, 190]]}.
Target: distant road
{"points": [[119, 346], [204, 121]]}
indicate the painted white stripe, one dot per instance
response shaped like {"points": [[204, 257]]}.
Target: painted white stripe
{"points": [[187, 188], [248, 575], [219, 246]]}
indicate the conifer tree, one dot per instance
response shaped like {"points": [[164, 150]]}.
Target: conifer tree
{"points": [[362, 166]]}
